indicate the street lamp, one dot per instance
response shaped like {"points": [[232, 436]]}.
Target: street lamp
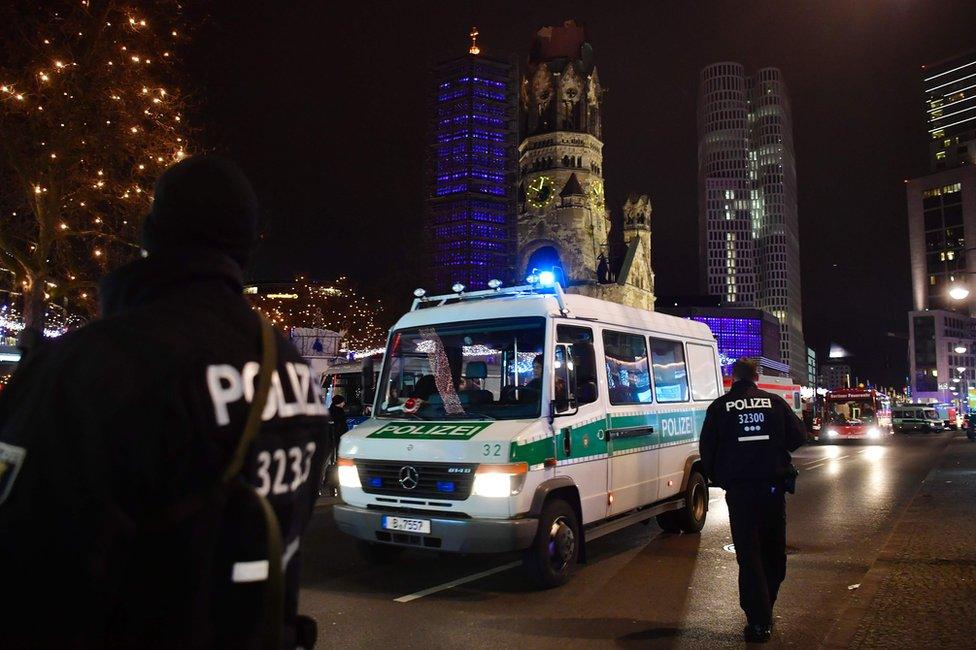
{"points": [[958, 292]]}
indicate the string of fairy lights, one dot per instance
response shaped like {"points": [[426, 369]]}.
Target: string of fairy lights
{"points": [[90, 116], [334, 306]]}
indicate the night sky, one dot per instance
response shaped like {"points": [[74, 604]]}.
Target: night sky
{"points": [[324, 106]]}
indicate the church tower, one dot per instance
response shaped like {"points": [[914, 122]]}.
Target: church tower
{"points": [[563, 222], [636, 269]]}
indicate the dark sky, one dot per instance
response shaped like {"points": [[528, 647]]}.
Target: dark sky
{"points": [[324, 105]]}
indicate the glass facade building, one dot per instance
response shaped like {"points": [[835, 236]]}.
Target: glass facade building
{"points": [[942, 236], [736, 338], [471, 173], [739, 333], [949, 92], [748, 223]]}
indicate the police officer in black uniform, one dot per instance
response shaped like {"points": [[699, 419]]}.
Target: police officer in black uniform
{"points": [[745, 446], [115, 527]]}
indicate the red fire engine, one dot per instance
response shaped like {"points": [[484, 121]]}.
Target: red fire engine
{"points": [[856, 413]]}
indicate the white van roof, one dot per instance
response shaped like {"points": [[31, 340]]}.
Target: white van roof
{"points": [[544, 304]]}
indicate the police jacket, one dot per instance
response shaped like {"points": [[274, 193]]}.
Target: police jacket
{"points": [[110, 426], [748, 435]]}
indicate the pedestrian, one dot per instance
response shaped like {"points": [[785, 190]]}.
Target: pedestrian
{"points": [[745, 447], [340, 423], [154, 487], [337, 413]]}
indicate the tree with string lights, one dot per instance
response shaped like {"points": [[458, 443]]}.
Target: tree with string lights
{"points": [[331, 306], [90, 114]]}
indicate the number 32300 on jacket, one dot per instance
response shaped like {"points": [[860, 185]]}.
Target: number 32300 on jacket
{"points": [[748, 435]]}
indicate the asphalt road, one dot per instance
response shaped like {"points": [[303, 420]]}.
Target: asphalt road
{"points": [[640, 587]]}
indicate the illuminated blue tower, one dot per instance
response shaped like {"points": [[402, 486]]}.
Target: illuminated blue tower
{"points": [[471, 171]]}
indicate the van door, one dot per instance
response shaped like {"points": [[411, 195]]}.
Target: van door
{"points": [[634, 467], [581, 445]]}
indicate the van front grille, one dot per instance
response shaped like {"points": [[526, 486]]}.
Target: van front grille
{"points": [[445, 481]]}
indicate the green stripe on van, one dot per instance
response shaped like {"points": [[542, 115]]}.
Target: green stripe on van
{"points": [[533, 453], [590, 439]]}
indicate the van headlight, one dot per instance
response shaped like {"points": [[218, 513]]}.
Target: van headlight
{"points": [[874, 432], [831, 433], [348, 474], [499, 480]]}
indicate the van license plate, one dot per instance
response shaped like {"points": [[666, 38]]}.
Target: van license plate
{"points": [[407, 525]]}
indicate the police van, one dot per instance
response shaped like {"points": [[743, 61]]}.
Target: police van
{"points": [[916, 417], [525, 419]]}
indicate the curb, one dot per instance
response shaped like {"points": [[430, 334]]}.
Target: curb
{"points": [[848, 621]]}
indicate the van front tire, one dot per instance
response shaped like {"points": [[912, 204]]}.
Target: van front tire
{"points": [[554, 552]]}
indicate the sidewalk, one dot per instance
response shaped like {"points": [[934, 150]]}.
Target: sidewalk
{"points": [[921, 591]]}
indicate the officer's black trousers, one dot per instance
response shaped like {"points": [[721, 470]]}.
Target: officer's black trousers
{"points": [[757, 514]]}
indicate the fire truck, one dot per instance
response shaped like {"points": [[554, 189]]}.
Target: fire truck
{"points": [[856, 413]]}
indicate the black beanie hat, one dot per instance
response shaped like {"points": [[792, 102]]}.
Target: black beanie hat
{"points": [[203, 201]]}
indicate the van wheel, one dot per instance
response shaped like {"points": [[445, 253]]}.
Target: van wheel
{"points": [[691, 517], [379, 553], [551, 558]]}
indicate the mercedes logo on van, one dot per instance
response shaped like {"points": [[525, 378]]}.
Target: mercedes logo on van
{"points": [[409, 477]]}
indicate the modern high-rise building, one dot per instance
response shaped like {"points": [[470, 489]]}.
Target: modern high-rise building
{"points": [[949, 90], [942, 245], [749, 246], [942, 238], [471, 171]]}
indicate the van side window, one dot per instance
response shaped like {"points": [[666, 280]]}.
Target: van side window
{"points": [[628, 378], [704, 382], [584, 358], [670, 374]]}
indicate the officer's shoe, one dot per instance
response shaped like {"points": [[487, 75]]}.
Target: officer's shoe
{"points": [[757, 633]]}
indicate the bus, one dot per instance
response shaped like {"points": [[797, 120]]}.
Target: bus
{"points": [[856, 414], [355, 380], [524, 419]]}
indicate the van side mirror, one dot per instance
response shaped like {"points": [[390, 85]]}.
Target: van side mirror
{"points": [[565, 401]]}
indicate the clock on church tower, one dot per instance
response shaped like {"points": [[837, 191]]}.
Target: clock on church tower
{"points": [[540, 192]]}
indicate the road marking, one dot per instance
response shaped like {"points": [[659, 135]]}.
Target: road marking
{"points": [[455, 583], [820, 463], [824, 462]]}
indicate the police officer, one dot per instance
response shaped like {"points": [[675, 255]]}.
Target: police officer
{"points": [[745, 446], [117, 525]]}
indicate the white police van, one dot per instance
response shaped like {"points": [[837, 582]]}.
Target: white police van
{"points": [[527, 419]]}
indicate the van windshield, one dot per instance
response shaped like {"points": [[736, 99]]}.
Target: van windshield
{"points": [[491, 370]]}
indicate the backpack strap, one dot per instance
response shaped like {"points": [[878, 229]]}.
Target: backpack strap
{"points": [[274, 598], [269, 361], [231, 480]]}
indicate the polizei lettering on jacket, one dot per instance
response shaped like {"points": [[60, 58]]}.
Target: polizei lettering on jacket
{"points": [[227, 385], [749, 403]]}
